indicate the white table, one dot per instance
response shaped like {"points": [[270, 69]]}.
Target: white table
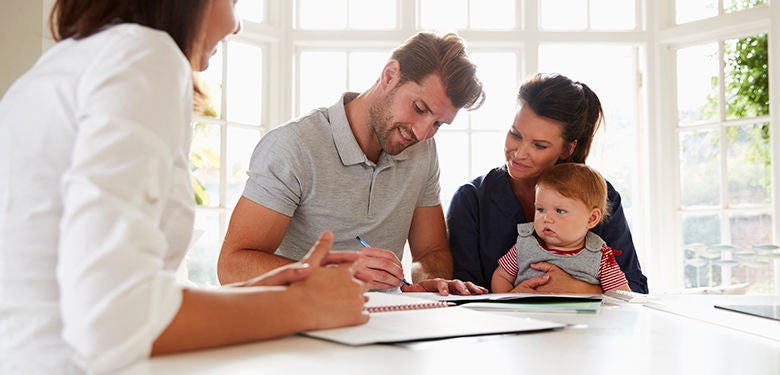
{"points": [[621, 339]]}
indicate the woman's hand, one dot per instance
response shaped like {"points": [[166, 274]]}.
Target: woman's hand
{"points": [[331, 295], [554, 280], [319, 255]]}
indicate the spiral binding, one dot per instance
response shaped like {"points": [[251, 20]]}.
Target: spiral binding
{"points": [[415, 306]]}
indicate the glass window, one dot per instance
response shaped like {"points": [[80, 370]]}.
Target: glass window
{"points": [[467, 14], [443, 14], [492, 14], [747, 165], [725, 163], [730, 6], [322, 14], [222, 143], [587, 14], [347, 14], [697, 83], [323, 78], [563, 14], [244, 83], [474, 143], [251, 10], [615, 82], [700, 168], [693, 10], [746, 77]]}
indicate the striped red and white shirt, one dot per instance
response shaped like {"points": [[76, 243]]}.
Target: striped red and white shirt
{"points": [[610, 276]]}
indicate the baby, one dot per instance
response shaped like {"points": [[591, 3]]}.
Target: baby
{"points": [[571, 199]]}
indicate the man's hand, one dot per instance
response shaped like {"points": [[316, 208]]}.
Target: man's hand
{"points": [[445, 287], [377, 268]]}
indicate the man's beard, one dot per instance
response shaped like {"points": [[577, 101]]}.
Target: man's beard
{"points": [[382, 125]]}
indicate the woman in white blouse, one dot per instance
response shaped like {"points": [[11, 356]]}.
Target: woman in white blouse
{"points": [[96, 206]]}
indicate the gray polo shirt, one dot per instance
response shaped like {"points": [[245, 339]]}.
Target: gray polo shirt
{"points": [[312, 170]]}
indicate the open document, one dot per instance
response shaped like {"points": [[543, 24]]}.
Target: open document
{"points": [[437, 322]]}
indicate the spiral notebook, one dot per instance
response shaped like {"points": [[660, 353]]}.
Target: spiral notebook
{"points": [[385, 302]]}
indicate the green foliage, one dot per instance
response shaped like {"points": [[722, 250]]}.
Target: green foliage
{"points": [[747, 77]]}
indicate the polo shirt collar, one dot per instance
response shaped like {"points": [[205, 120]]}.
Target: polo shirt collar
{"points": [[346, 144]]}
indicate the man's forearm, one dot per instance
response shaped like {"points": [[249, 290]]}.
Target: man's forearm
{"points": [[435, 264], [245, 264]]}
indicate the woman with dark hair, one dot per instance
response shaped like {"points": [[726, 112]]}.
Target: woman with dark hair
{"points": [[99, 211], [555, 122]]}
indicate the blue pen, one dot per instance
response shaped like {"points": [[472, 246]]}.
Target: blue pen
{"points": [[365, 244]]}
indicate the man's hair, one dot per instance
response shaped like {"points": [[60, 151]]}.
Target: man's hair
{"points": [[571, 103], [578, 181], [427, 53]]}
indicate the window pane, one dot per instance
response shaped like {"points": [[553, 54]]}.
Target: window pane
{"points": [[563, 14], [244, 83], [737, 5], [453, 155], [751, 264], [487, 151], [211, 82], [746, 263], [251, 10], [322, 14], [204, 161], [700, 168], [614, 81], [692, 10], [372, 14], [612, 14], [443, 14], [241, 143], [699, 232], [746, 77], [749, 158], [498, 73], [323, 78], [200, 264], [697, 83], [492, 14], [365, 68]]}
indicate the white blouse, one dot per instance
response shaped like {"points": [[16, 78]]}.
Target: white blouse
{"points": [[96, 204]]}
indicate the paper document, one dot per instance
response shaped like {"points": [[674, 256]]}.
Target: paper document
{"points": [[426, 324]]}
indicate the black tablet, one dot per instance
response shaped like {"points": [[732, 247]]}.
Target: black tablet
{"points": [[764, 311]]}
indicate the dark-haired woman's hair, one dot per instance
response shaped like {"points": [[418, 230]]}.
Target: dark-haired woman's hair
{"points": [[181, 19], [573, 104], [77, 19]]}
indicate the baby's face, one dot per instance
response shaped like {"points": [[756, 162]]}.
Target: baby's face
{"points": [[560, 221]]}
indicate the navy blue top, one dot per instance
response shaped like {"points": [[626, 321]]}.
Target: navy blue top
{"points": [[482, 222]]}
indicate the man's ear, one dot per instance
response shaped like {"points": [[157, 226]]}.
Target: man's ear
{"points": [[391, 73], [595, 218]]}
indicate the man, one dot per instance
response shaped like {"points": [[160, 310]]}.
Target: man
{"points": [[366, 166]]}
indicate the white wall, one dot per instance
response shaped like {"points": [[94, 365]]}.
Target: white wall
{"points": [[23, 36]]}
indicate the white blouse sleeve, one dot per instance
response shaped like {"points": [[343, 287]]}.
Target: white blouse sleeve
{"points": [[127, 213]]}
